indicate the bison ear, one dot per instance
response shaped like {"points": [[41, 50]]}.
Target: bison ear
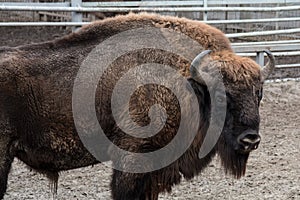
{"points": [[269, 67], [195, 70]]}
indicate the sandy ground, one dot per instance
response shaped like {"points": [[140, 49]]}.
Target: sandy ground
{"points": [[273, 170]]}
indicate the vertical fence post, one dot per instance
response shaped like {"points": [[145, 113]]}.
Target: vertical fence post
{"points": [[277, 24], [76, 16], [205, 12], [260, 59]]}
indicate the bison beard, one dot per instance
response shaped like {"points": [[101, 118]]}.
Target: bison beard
{"points": [[233, 162]]}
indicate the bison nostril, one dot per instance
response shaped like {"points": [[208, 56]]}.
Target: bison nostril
{"points": [[249, 140]]}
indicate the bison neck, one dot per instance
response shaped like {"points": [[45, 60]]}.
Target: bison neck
{"points": [[190, 163]]}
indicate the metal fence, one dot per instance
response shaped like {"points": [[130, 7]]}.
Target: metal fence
{"points": [[239, 19]]}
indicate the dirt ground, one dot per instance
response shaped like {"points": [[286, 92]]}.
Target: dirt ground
{"points": [[273, 170]]}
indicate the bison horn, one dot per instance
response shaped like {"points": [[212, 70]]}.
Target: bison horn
{"points": [[194, 68], [269, 67]]}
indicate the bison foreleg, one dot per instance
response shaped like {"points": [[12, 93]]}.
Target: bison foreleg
{"points": [[132, 186], [6, 159]]}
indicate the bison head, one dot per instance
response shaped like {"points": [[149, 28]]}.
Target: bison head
{"points": [[243, 82]]}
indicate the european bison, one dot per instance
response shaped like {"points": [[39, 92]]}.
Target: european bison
{"points": [[37, 124]]}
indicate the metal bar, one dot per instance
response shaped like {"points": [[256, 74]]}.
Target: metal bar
{"points": [[184, 3], [272, 47], [293, 53], [165, 9], [154, 3], [237, 21], [260, 59], [252, 1], [5, 24], [52, 4], [141, 3], [265, 43], [259, 33], [208, 22], [76, 16], [205, 5], [277, 24], [288, 65], [249, 21]]}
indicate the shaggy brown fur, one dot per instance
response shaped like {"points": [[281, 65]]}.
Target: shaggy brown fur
{"points": [[37, 125], [208, 36]]}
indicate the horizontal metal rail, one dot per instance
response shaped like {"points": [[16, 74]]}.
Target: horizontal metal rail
{"points": [[259, 33], [277, 80], [230, 2], [50, 4], [265, 42], [239, 21], [271, 47], [288, 65], [156, 3], [6, 24], [148, 9], [208, 22], [185, 3], [293, 53], [141, 3]]}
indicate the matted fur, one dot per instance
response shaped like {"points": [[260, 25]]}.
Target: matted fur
{"points": [[238, 69]]}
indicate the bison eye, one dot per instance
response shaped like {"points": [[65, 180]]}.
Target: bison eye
{"points": [[259, 94], [220, 98]]}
